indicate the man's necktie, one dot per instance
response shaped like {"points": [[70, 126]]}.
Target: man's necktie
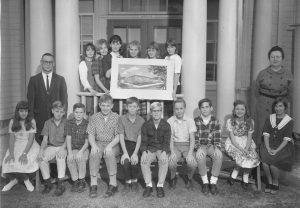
{"points": [[47, 87]]}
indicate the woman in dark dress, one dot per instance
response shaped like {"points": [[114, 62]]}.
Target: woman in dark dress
{"points": [[277, 150]]}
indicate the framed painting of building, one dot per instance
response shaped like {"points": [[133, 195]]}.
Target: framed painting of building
{"points": [[149, 79]]}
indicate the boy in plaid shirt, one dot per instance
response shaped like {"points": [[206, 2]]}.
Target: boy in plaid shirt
{"points": [[208, 137]]}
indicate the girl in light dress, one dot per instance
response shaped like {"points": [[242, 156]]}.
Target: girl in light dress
{"points": [[20, 158], [240, 145]]}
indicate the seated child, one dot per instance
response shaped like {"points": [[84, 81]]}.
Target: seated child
{"points": [[54, 146], [155, 145], [182, 142], [208, 137], [104, 139], [20, 158], [129, 129], [77, 145]]}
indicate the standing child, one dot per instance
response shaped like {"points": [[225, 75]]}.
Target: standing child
{"points": [[239, 145], [20, 158], [86, 75], [153, 51], [155, 145], [102, 51], [54, 147], [104, 139], [182, 142], [77, 145], [129, 129], [134, 49], [208, 137]]}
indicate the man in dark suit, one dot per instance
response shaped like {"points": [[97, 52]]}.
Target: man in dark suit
{"points": [[43, 89]]}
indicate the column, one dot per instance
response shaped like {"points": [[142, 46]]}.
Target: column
{"points": [[227, 53], [194, 53], [296, 94], [41, 33], [67, 46]]}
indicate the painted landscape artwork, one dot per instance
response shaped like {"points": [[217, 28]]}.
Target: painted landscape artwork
{"points": [[143, 78]]}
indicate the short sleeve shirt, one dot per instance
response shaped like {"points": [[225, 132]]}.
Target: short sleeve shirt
{"points": [[130, 130], [55, 133], [104, 129], [181, 129], [77, 132]]}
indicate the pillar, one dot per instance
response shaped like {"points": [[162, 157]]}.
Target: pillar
{"points": [[194, 53], [67, 46], [296, 94], [41, 33], [227, 53]]}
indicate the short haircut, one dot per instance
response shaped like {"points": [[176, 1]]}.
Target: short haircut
{"points": [[180, 100], [279, 100], [154, 105], [154, 45], [78, 105], [115, 39], [86, 46], [47, 54], [204, 100], [171, 42], [132, 100], [105, 98], [58, 104], [134, 43], [276, 48]]}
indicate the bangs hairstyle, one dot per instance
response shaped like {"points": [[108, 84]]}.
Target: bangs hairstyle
{"points": [[85, 47], [16, 126], [132, 100], [276, 48], [154, 105], [279, 100], [105, 98], [78, 105], [58, 105], [204, 100], [172, 43], [154, 45], [115, 39], [247, 118], [179, 100]]}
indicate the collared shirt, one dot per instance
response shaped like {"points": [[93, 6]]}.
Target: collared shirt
{"points": [[130, 130], [45, 78], [209, 134], [77, 132], [56, 136], [153, 138], [103, 130], [181, 129]]}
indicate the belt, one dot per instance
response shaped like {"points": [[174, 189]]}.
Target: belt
{"points": [[272, 96]]}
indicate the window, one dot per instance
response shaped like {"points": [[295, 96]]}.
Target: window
{"points": [[86, 29], [211, 51]]}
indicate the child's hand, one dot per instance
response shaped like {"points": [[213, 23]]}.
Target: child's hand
{"points": [[273, 152], [61, 153], [106, 91], [70, 157], [124, 157], [41, 155], [94, 151], [190, 158], [134, 159], [108, 73], [10, 158], [108, 150], [144, 158], [79, 155], [93, 92], [23, 159]]}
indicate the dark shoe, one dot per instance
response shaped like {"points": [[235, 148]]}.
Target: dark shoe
{"points": [[111, 190], [245, 185], [230, 181], [274, 188], [60, 189], [127, 187], [173, 182], [268, 188], [160, 192], [93, 191], [147, 192], [213, 189], [48, 187], [189, 184], [135, 186], [205, 189], [75, 186], [81, 186]]}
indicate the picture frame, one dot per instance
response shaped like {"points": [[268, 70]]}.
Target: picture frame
{"points": [[146, 79]]}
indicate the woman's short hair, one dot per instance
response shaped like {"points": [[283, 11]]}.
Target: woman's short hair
{"points": [[115, 39], [279, 100], [276, 48]]}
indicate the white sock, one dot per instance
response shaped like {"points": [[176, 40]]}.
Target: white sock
{"points": [[29, 185], [149, 184], [246, 177], [11, 184], [160, 185], [204, 179], [234, 173], [134, 180], [213, 179], [129, 181]]}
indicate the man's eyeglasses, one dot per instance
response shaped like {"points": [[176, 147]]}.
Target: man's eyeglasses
{"points": [[47, 62]]}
